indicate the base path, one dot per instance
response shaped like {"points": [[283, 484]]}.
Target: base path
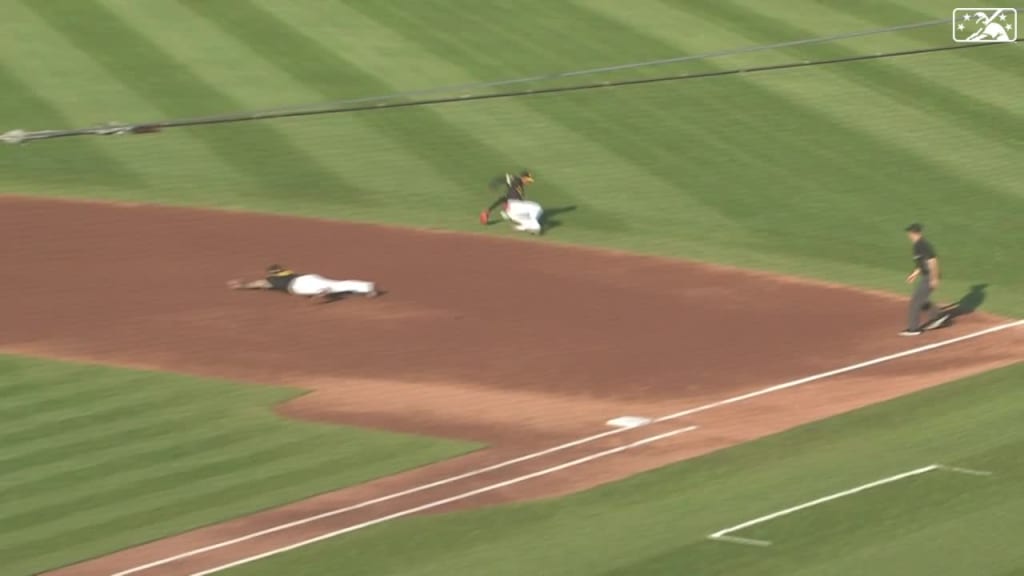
{"points": [[519, 343]]}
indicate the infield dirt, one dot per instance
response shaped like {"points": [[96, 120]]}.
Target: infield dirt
{"points": [[521, 344]]}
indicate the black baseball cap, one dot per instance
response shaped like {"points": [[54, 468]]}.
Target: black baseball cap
{"points": [[915, 227]]}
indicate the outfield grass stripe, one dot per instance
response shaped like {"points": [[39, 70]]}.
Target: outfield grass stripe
{"points": [[882, 13], [988, 152], [285, 469], [49, 63], [56, 165], [61, 394], [742, 128], [899, 82], [30, 45], [141, 469], [131, 403], [158, 485], [213, 56], [320, 69], [174, 29], [905, 126], [337, 36], [169, 438], [276, 167]]}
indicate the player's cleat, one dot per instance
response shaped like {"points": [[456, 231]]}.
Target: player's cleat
{"points": [[484, 218], [372, 294], [937, 323], [911, 332]]}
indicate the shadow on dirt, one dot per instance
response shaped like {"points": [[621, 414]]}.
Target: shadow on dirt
{"points": [[969, 303]]}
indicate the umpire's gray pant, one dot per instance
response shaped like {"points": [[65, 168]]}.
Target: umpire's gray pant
{"points": [[921, 300]]}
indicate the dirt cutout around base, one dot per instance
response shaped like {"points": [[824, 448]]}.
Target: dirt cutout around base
{"points": [[522, 344]]}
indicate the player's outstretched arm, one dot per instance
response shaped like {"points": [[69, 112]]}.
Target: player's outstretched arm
{"points": [[261, 284]]}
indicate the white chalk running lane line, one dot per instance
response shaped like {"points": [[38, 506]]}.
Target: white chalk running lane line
{"points": [[562, 447], [451, 499], [725, 532]]}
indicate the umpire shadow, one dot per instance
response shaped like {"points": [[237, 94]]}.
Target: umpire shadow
{"points": [[547, 219], [968, 303]]}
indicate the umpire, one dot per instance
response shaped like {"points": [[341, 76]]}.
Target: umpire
{"points": [[926, 273]]}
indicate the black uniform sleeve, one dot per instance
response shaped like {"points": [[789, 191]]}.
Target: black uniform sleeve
{"points": [[498, 202], [280, 282]]}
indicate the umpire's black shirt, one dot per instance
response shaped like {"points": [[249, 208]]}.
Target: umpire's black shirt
{"points": [[923, 252]]}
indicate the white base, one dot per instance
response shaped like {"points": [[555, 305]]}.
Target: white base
{"points": [[629, 421]]}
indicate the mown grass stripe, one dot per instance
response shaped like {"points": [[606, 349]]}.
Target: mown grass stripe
{"points": [[68, 398], [57, 164], [882, 13], [899, 82], [169, 439], [421, 132], [141, 474], [275, 166], [158, 486], [214, 486], [131, 404]]}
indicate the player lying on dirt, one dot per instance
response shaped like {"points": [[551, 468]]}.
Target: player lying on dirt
{"points": [[524, 213], [312, 286]]}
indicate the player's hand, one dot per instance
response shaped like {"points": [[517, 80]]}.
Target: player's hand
{"points": [[234, 284], [933, 283], [911, 277]]}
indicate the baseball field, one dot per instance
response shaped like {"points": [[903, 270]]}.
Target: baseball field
{"points": [[726, 184]]}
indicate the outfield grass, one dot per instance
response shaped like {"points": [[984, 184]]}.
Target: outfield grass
{"points": [[97, 459], [656, 523], [812, 171]]}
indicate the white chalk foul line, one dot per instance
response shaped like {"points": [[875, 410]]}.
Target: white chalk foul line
{"points": [[725, 534], [565, 446], [449, 500], [838, 371]]}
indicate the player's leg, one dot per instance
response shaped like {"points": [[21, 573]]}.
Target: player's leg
{"points": [[937, 317], [352, 287], [529, 220], [917, 303], [537, 213], [518, 212], [309, 285]]}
